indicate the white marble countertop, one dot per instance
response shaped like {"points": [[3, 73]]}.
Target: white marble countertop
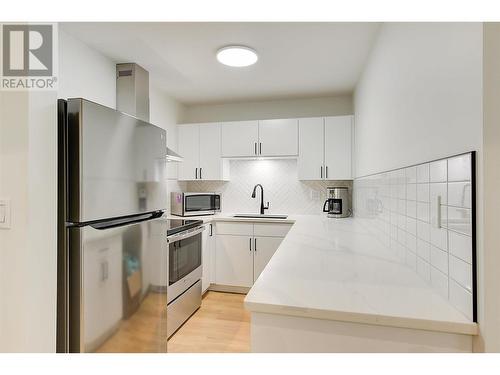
{"points": [[336, 270], [230, 217]]}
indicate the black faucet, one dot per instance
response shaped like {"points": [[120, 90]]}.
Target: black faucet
{"points": [[262, 207]]}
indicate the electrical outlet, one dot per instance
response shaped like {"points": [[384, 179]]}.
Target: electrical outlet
{"points": [[4, 213], [315, 195]]}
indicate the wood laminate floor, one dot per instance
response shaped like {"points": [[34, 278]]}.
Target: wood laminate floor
{"points": [[142, 331], [221, 325]]}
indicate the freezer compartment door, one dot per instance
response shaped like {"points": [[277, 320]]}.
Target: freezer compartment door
{"points": [[116, 163], [118, 288]]}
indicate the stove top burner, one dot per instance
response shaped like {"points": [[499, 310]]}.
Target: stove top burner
{"points": [[179, 225]]}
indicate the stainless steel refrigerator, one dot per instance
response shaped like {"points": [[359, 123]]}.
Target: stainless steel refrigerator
{"points": [[112, 252]]}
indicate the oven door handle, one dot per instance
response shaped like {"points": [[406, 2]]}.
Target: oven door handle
{"points": [[183, 236]]}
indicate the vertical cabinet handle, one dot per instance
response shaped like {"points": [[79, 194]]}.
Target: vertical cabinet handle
{"points": [[260, 148], [321, 171], [250, 244], [255, 244], [438, 211], [255, 148], [211, 230], [200, 173], [104, 270], [326, 170], [196, 173]]}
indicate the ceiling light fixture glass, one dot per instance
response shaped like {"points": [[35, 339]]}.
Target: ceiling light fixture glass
{"points": [[238, 56]]}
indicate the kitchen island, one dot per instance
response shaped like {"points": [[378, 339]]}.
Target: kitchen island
{"points": [[333, 287]]}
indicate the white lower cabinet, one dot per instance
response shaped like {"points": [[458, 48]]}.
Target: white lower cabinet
{"points": [[264, 249], [242, 251], [233, 260], [207, 256]]}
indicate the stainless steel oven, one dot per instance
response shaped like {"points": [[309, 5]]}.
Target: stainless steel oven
{"points": [[184, 276], [194, 204]]}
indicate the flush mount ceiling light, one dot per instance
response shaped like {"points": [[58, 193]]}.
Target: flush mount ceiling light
{"points": [[238, 56]]}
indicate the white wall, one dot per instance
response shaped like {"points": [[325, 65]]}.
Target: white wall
{"points": [[419, 97], [284, 108], [84, 72], [28, 176], [490, 257], [167, 113], [28, 172]]}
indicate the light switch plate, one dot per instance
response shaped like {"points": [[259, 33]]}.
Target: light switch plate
{"points": [[4, 213]]}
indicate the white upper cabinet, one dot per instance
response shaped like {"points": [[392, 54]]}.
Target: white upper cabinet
{"points": [[211, 164], [278, 137], [260, 138], [311, 149], [200, 146], [325, 149], [240, 138], [189, 149], [338, 147]]}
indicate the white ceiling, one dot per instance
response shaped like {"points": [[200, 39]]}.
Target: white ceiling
{"points": [[295, 59]]}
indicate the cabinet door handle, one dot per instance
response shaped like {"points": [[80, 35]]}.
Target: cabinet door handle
{"points": [[211, 230], [260, 148], [255, 244], [250, 244], [196, 173], [104, 271], [201, 178], [321, 171], [326, 169], [255, 148]]}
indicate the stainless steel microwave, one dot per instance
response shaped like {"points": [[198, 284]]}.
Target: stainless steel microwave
{"points": [[194, 204]]}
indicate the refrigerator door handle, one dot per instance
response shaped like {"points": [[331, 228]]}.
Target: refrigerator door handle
{"points": [[114, 223]]}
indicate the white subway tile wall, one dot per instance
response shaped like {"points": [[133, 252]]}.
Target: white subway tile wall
{"points": [[424, 213], [282, 189]]}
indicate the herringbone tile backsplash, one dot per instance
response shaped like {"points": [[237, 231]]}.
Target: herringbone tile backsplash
{"points": [[282, 189]]}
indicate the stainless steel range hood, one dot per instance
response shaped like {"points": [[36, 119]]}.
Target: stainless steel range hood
{"points": [[132, 96], [173, 156]]}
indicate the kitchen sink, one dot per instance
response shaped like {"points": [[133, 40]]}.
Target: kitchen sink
{"points": [[258, 216]]}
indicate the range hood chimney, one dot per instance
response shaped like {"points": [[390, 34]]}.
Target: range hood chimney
{"points": [[132, 95]]}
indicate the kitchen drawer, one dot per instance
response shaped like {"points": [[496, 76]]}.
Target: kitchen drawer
{"points": [[271, 230], [236, 229], [183, 307]]}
